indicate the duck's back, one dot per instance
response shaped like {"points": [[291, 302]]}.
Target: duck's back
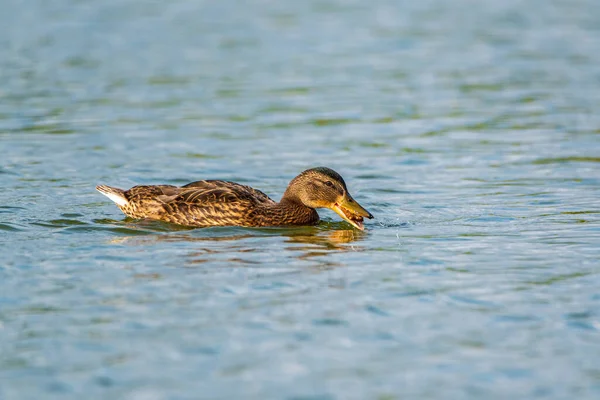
{"points": [[201, 203]]}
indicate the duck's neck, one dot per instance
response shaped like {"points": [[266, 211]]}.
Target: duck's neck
{"points": [[291, 211]]}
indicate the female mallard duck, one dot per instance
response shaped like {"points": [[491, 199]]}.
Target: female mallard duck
{"points": [[221, 203]]}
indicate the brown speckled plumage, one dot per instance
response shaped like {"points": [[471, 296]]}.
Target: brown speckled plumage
{"points": [[221, 203]]}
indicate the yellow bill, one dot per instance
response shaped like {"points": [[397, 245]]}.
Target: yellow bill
{"points": [[351, 211]]}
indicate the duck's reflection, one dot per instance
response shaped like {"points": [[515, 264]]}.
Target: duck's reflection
{"points": [[324, 241], [248, 246]]}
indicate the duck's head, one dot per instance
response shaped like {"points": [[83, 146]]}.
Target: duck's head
{"points": [[322, 187]]}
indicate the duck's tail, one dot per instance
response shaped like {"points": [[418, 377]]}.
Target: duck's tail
{"points": [[115, 194]]}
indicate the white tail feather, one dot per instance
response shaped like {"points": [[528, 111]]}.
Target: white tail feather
{"points": [[114, 194]]}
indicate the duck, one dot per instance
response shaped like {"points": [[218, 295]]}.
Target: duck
{"points": [[208, 203]]}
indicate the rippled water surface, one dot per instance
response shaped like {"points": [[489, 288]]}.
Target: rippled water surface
{"points": [[470, 129]]}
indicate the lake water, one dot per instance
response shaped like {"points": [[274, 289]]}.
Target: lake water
{"points": [[470, 129]]}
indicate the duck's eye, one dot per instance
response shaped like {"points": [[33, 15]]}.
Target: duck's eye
{"points": [[329, 183]]}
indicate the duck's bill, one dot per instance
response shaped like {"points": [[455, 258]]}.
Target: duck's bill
{"points": [[352, 212]]}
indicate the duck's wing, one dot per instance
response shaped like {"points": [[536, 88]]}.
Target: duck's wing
{"points": [[209, 203], [221, 191], [150, 192]]}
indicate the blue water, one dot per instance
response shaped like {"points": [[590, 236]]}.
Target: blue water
{"points": [[470, 129]]}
